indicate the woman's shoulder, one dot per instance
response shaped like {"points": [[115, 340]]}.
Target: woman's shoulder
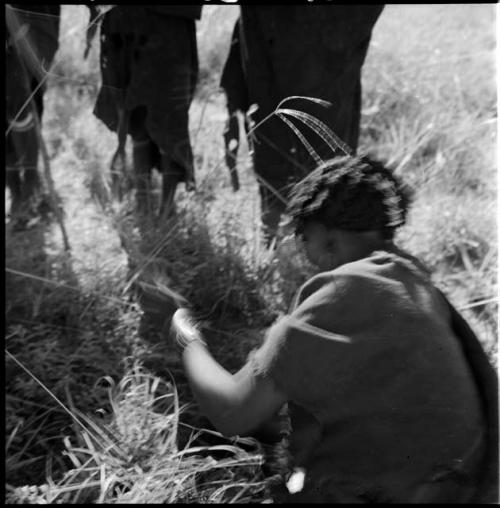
{"points": [[391, 263], [382, 268], [335, 284]]}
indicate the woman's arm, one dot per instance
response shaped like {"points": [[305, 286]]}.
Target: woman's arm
{"points": [[235, 404]]}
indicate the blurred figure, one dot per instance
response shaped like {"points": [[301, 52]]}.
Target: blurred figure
{"points": [[31, 41], [315, 51], [390, 395], [149, 67]]}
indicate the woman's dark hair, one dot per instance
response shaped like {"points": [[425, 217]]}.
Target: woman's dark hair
{"points": [[351, 193]]}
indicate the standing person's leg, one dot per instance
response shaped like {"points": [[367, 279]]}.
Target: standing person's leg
{"points": [[233, 81], [13, 174], [141, 154], [22, 176], [231, 144], [22, 142], [120, 178], [35, 54], [22, 159], [145, 158], [117, 51], [173, 174], [27, 147], [171, 83], [32, 181]]}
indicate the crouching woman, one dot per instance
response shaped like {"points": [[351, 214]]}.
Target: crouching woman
{"points": [[390, 395]]}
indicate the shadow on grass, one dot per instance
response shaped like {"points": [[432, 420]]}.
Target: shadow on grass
{"points": [[31, 316], [59, 342]]}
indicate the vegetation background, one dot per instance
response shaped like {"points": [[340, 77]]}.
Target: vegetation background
{"points": [[97, 408]]}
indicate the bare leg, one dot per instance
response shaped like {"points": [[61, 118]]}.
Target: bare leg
{"points": [[172, 175], [143, 163], [24, 162], [119, 175], [13, 181], [31, 183], [232, 134], [31, 176]]}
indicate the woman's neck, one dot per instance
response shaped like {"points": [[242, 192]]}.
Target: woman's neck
{"points": [[353, 246]]}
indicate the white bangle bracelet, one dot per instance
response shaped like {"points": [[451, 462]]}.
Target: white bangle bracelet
{"points": [[185, 328], [195, 339]]}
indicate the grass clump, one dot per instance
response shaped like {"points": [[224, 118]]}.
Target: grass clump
{"points": [[58, 357], [131, 456]]}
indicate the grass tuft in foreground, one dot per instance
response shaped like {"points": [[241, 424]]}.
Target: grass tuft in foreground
{"points": [[130, 455]]}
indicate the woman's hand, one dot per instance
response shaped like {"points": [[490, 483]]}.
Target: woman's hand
{"points": [[184, 328]]}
